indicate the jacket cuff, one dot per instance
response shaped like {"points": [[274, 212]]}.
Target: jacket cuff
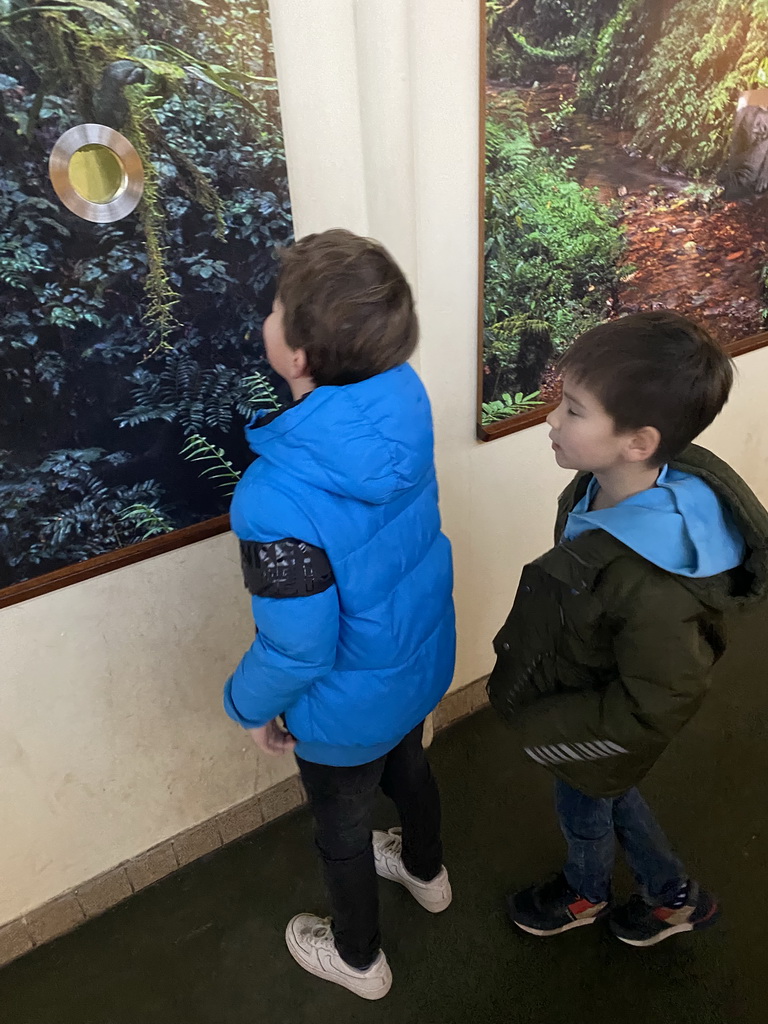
{"points": [[234, 714]]}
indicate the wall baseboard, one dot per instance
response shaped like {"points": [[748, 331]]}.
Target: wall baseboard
{"points": [[64, 913]]}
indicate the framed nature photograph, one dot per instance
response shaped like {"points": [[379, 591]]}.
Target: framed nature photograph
{"points": [[143, 194], [625, 168]]}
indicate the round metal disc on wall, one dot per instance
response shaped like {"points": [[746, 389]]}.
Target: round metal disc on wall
{"points": [[96, 173]]}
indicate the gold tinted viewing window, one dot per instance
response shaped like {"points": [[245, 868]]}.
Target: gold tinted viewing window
{"points": [[96, 173]]}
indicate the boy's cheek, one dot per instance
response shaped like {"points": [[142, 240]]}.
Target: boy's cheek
{"points": [[564, 461], [559, 456], [561, 460]]}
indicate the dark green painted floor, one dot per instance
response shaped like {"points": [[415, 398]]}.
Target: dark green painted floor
{"points": [[206, 946]]}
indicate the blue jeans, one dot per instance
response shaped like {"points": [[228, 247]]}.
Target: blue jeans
{"points": [[591, 827]]}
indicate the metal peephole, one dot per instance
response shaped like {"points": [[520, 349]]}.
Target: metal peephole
{"points": [[96, 173]]}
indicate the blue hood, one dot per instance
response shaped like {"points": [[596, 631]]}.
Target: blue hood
{"points": [[363, 441], [680, 525]]}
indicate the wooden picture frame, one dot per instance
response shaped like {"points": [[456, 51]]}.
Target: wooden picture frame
{"points": [[111, 560]]}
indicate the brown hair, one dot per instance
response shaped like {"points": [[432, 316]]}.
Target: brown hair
{"points": [[348, 305], [654, 370]]}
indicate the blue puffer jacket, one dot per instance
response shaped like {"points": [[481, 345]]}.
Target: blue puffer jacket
{"points": [[356, 667]]}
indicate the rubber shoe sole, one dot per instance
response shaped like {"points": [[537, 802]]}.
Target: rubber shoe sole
{"points": [[545, 933], [679, 929], [515, 913], [557, 931]]}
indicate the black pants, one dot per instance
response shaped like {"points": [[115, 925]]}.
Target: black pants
{"points": [[342, 802]]}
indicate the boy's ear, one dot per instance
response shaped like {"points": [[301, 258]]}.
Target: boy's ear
{"points": [[299, 363], [643, 444]]}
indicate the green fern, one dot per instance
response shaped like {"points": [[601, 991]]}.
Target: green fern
{"points": [[198, 399], [517, 151], [96, 511], [153, 521], [509, 143], [512, 327], [259, 394], [220, 469], [508, 406]]}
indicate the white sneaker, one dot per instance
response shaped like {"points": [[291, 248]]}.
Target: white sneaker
{"points": [[434, 896], [311, 944]]}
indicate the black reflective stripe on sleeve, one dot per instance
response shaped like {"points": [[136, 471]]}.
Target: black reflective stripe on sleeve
{"points": [[285, 568]]}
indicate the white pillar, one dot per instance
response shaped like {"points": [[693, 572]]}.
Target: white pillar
{"points": [[344, 76], [380, 103], [385, 98], [316, 59]]}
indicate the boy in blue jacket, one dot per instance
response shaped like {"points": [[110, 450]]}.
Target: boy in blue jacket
{"points": [[351, 583]]}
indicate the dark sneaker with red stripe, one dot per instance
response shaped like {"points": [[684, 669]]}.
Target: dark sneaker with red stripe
{"points": [[640, 924], [552, 908]]}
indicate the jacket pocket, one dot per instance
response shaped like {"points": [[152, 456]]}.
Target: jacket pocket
{"points": [[526, 645]]}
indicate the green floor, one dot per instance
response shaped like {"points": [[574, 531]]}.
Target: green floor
{"points": [[206, 947]]}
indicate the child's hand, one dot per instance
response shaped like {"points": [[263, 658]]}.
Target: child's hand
{"points": [[272, 739]]}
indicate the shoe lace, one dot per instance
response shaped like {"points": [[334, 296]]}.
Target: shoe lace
{"points": [[393, 844], [321, 934], [637, 910], [555, 888]]}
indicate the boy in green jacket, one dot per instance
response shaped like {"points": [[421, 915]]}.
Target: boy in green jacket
{"points": [[608, 650]]}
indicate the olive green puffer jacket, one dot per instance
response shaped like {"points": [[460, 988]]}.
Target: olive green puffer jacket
{"points": [[605, 657]]}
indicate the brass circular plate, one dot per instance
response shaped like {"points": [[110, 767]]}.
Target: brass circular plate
{"points": [[96, 173]]}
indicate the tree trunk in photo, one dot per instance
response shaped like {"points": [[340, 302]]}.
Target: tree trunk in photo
{"points": [[267, 60]]}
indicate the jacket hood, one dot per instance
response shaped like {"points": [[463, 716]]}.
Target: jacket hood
{"points": [[702, 523], [748, 583], [680, 525], [371, 441]]}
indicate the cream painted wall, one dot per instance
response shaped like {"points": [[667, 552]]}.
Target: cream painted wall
{"points": [[112, 736]]}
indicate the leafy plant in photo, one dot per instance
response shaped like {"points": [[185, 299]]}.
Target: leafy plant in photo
{"points": [[507, 406], [151, 521], [620, 52], [217, 466], [703, 195], [559, 120], [194, 397], [552, 258], [674, 72], [526, 39], [687, 95], [63, 510], [668, 75]]}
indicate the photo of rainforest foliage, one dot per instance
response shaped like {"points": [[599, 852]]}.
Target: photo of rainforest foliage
{"points": [[131, 353], [626, 170]]}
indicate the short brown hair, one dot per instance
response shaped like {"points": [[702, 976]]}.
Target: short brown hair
{"points": [[657, 370], [348, 305]]}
